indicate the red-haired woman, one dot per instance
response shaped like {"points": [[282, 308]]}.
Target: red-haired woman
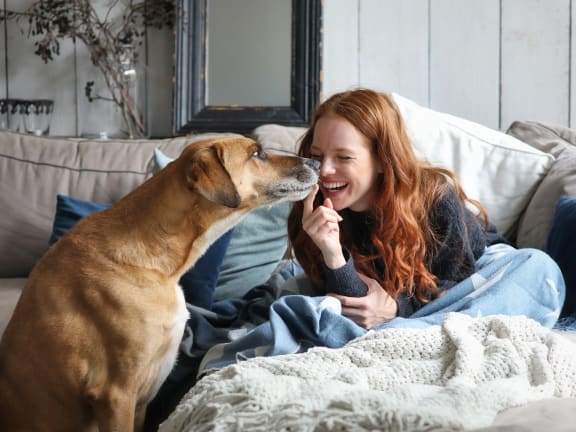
{"points": [[384, 232]]}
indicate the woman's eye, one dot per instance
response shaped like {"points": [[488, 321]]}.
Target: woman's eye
{"points": [[344, 157], [316, 157]]}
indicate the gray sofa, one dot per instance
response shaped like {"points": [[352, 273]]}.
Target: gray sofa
{"points": [[33, 170]]}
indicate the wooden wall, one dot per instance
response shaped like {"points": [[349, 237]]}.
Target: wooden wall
{"points": [[491, 61]]}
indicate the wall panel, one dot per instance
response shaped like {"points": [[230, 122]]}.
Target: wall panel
{"points": [[340, 46], [464, 59], [393, 51], [535, 61]]}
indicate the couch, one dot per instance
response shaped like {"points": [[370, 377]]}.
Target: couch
{"points": [[524, 177]]}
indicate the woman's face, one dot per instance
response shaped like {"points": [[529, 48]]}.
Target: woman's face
{"points": [[348, 168]]}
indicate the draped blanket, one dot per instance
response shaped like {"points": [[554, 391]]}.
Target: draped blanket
{"points": [[267, 322], [455, 375]]}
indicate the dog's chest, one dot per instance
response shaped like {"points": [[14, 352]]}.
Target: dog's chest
{"points": [[167, 361]]}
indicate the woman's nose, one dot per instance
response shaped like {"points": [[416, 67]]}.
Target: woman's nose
{"points": [[326, 167]]}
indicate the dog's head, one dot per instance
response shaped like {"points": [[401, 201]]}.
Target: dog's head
{"points": [[238, 173]]}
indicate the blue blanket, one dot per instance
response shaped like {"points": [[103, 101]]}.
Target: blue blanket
{"points": [[282, 318]]}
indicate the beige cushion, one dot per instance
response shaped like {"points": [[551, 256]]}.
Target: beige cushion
{"points": [[33, 170], [561, 180], [497, 169], [278, 137]]}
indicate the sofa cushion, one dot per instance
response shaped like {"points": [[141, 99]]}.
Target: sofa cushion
{"points": [[278, 137], [560, 142], [33, 170], [561, 245], [496, 169]]}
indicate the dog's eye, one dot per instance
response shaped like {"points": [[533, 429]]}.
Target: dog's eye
{"points": [[260, 154]]}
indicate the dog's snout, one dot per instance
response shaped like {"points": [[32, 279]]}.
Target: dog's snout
{"points": [[312, 163], [308, 171]]}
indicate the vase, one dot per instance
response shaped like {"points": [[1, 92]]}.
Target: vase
{"points": [[115, 108]]}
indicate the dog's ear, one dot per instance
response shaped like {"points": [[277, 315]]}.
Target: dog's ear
{"points": [[207, 175]]}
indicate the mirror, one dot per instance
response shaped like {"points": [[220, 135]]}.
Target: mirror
{"points": [[243, 63]]}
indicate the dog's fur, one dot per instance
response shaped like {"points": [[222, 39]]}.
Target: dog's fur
{"points": [[97, 327]]}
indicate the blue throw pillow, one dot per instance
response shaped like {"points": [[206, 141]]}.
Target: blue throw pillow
{"points": [[561, 246], [198, 283], [69, 211]]}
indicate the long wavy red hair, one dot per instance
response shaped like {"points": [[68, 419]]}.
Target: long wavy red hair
{"points": [[401, 235]]}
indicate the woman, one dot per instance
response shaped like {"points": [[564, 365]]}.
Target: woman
{"points": [[384, 233]]}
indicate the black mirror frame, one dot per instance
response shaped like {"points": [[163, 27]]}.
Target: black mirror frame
{"points": [[192, 115]]}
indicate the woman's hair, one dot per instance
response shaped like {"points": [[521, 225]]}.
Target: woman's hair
{"points": [[401, 237]]}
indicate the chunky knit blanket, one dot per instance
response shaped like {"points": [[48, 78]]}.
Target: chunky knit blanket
{"points": [[457, 375]]}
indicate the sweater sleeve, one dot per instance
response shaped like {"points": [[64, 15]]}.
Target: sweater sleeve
{"points": [[461, 238], [345, 280]]}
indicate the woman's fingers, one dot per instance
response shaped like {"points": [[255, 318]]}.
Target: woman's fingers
{"points": [[309, 202]]}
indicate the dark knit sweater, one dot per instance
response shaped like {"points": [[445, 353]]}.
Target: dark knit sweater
{"points": [[462, 240]]}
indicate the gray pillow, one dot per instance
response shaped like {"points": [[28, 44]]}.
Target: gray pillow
{"points": [[257, 245], [560, 142]]}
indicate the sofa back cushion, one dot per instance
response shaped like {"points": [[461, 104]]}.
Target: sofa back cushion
{"points": [[496, 169], [34, 170], [560, 142]]}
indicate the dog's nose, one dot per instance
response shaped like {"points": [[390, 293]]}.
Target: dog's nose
{"points": [[312, 163]]}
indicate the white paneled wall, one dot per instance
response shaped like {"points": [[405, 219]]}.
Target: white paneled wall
{"points": [[340, 44], [393, 46], [464, 58], [491, 61], [535, 60]]}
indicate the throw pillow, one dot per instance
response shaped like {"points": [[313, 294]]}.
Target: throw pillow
{"points": [[496, 169], [257, 244], [560, 142], [198, 283], [70, 210], [561, 245]]}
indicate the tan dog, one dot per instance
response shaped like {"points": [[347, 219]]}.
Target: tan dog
{"points": [[97, 328]]}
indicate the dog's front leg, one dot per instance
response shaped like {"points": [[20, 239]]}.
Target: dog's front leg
{"points": [[114, 410], [140, 418]]}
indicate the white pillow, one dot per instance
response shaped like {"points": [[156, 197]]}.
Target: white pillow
{"points": [[498, 170]]}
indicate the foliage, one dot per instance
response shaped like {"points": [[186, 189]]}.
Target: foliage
{"points": [[113, 38]]}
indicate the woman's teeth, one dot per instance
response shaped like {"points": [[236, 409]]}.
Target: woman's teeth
{"points": [[334, 186]]}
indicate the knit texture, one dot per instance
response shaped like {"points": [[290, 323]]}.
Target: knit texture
{"points": [[455, 376]]}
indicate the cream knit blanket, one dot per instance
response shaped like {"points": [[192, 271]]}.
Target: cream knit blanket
{"points": [[455, 376]]}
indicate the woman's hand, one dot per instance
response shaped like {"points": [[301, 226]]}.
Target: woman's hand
{"points": [[375, 308], [321, 224]]}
